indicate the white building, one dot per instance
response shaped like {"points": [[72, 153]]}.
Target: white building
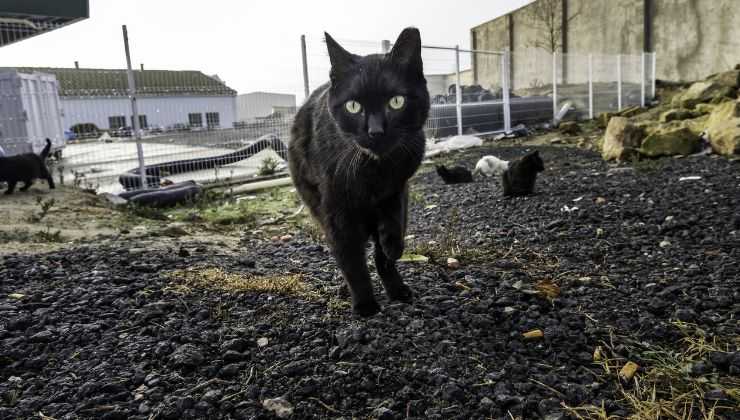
{"points": [[166, 99], [255, 105]]}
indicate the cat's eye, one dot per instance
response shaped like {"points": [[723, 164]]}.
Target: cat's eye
{"points": [[397, 102], [353, 107]]}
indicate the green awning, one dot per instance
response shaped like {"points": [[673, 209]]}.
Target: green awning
{"points": [[21, 19]]}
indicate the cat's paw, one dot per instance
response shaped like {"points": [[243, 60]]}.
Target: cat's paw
{"points": [[400, 293], [392, 246], [366, 309]]}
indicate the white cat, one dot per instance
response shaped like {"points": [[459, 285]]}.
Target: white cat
{"points": [[490, 166]]}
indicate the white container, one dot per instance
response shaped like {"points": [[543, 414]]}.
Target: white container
{"points": [[30, 112]]}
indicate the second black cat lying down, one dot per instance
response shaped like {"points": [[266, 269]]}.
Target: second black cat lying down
{"points": [[355, 143], [520, 177], [455, 174], [25, 168]]}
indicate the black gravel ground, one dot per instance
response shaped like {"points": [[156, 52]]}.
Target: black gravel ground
{"points": [[102, 333]]}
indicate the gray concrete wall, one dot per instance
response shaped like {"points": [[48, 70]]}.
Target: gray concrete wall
{"points": [[692, 38], [695, 38]]}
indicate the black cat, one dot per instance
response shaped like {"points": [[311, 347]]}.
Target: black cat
{"points": [[519, 178], [455, 174], [26, 168], [355, 143]]}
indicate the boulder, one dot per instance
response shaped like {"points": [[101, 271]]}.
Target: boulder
{"points": [[730, 79], [704, 109], [670, 140], [603, 119], [725, 137], [631, 111], [723, 112], [570, 128], [704, 91], [621, 140], [723, 128], [677, 115]]}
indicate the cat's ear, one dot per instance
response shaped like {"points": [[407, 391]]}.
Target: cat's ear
{"points": [[406, 51], [340, 58]]}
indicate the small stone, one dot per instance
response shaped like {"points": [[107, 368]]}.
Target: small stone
{"points": [[665, 244], [279, 406], [452, 392], [42, 337], [187, 356], [685, 315], [716, 395], [509, 310], [144, 409], [233, 356], [600, 200], [628, 371], [237, 344], [382, 413], [212, 396], [229, 371], [485, 401], [263, 342], [453, 263], [286, 238], [599, 232], [533, 335]]}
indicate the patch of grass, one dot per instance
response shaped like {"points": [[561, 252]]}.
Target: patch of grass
{"points": [[229, 214], [665, 388], [417, 198], [268, 166], [214, 278], [311, 227], [26, 236], [219, 210], [44, 207], [145, 212]]}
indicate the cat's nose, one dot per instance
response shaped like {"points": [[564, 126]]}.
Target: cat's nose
{"points": [[375, 132], [375, 126]]}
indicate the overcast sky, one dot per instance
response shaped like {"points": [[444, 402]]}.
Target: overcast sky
{"points": [[251, 45]]}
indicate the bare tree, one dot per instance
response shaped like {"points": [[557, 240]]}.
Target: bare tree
{"points": [[546, 17]]}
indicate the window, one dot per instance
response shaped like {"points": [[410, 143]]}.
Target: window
{"points": [[116, 122], [195, 120], [212, 119], [142, 121]]}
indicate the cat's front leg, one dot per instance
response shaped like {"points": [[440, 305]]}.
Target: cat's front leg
{"points": [[348, 239], [392, 226]]}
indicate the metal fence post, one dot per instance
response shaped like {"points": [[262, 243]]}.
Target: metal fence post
{"points": [[505, 90], [458, 92], [642, 80], [385, 45], [306, 89], [619, 82], [591, 86], [554, 86], [134, 110], [654, 70]]}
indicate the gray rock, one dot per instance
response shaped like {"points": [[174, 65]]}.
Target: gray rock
{"points": [[279, 406], [188, 356]]}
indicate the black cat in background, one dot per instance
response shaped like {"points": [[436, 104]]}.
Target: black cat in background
{"points": [[519, 179], [355, 143], [455, 174]]}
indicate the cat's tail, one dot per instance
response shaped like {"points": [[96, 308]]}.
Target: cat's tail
{"points": [[45, 153]]}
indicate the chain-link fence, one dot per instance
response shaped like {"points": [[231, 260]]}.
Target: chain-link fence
{"points": [[115, 129]]}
